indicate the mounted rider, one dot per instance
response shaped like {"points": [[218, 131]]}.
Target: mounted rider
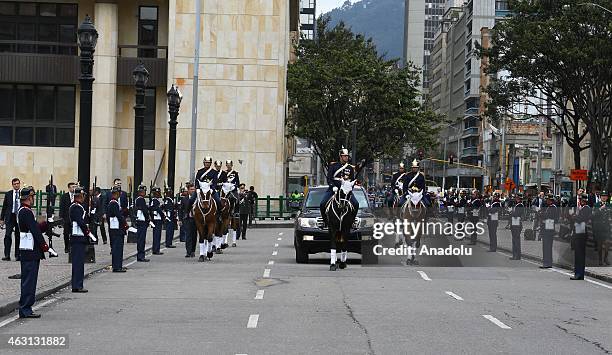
{"points": [[336, 173], [208, 174], [232, 177], [221, 174], [415, 181], [397, 182]]}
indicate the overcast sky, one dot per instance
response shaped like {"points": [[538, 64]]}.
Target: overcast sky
{"points": [[324, 6]]}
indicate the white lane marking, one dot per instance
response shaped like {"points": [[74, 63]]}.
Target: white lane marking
{"points": [[496, 321], [424, 275], [36, 307], [276, 245], [281, 233], [131, 263], [271, 262], [266, 273], [562, 272], [253, 319], [454, 295], [279, 238], [274, 253], [259, 295]]}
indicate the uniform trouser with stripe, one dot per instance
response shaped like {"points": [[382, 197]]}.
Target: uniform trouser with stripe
{"points": [[157, 231], [579, 254], [190, 232], [492, 235], [29, 278], [77, 252], [141, 238], [547, 247], [169, 233], [516, 242], [117, 238]]}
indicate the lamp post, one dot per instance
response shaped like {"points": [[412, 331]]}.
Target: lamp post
{"points": [[88, 37], [174, 104], [141, 76]]}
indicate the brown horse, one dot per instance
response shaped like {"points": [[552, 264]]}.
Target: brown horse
{"points": [[223, 226], [413, 210], [205, 216]]}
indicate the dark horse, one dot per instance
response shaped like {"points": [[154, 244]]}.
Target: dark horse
{"points": [[413, 211], [223, 226], [230, 222], [205, 215], [340, 216]]}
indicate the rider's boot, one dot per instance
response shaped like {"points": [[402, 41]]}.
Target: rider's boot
{"points": [[333, 267]]}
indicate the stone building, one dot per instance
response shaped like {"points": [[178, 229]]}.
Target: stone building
{"points": [[242, 102]]}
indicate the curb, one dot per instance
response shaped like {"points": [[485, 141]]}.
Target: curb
{"points": [[592, 274], [273, 225], [9, 308]]}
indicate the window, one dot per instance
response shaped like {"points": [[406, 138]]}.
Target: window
{"points": [[306, 19], [45, 28], [149, 120], [147, 31], [307, 4], [39, 115]]}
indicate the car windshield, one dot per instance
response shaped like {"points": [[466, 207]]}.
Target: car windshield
{"points": [[313, 200]]}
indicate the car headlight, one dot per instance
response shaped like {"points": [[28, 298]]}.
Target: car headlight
{"points": [[366, 222], [307, 222]]}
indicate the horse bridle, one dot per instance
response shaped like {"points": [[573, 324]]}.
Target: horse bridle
{"points": [[345, 201], [209, 200]]}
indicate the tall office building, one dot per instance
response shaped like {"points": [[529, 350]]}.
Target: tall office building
{"points": [[307, 18], [421, 20]]}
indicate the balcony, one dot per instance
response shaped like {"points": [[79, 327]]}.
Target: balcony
{"points": [[39, 62], [154, 58], [471, 131], [469, 152]]}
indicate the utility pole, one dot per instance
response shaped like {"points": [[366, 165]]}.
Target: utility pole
{"points": [[503, 150], [194, 102], [444, 168], [458, 157]]}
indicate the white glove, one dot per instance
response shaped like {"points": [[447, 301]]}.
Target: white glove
{"points": [[334, 189], [52, 252], [152, 224], [91, 236]]}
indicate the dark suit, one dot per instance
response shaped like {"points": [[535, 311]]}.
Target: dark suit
{"points": [[188, 224], [30, 261], [580, 236], [9, 217]]}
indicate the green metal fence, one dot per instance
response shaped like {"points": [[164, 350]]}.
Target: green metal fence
{"points": [[281, 207]]}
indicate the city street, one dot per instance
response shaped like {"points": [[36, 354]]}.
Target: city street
{"points": [[255, 299]]}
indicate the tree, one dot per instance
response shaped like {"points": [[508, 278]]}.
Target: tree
{"points": [[338, 78], [562, 51]]}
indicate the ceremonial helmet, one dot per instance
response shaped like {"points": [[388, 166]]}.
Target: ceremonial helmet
{"points": [[415, 163], [229, 162], [218, 163], [519, 195], [550, 196], [168, 190], [208, 159], [142, 187], [116, 188], [155, 189], [343, 151], [26, 192], [402, 165], [79, 190], [604, 193], [584, 197]]}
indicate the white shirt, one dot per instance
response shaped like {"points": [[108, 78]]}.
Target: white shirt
{"points": [[16, 203]]}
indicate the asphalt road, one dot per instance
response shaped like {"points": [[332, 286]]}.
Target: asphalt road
{"points": [[228, 306]]}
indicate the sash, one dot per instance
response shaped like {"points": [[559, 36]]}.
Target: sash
{"points": [[339, 170], [206, 172], [413, 179], [230, 179], [399, 178]]}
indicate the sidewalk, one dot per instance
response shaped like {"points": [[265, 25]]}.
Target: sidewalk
{"points": [[55, 273], [563, 255]]}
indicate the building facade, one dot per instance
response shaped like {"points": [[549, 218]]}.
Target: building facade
{"points": [[421, 20], [244, 48]]}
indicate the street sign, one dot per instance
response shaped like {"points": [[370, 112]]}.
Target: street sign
{"points": [[509, 184], [579, 175]]}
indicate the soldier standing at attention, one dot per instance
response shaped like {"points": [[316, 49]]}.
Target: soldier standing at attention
{"points": [[516, 226], [117, 226], [65, 202], [157, 216], [474, 206], [170, 216], [601, 226], [549, 215], [580, 222], [141, 214], [493, 221], [32, 248], [79, 239]]}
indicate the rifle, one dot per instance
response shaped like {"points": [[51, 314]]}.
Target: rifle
{"points": [[50, 234], [131, 193]]}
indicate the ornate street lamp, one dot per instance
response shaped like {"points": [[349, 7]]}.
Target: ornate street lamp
{"points": [[141, 76], [87, 37], [174, 104]]}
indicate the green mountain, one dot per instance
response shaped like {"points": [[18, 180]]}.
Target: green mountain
{"points": [[383, 20]]}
